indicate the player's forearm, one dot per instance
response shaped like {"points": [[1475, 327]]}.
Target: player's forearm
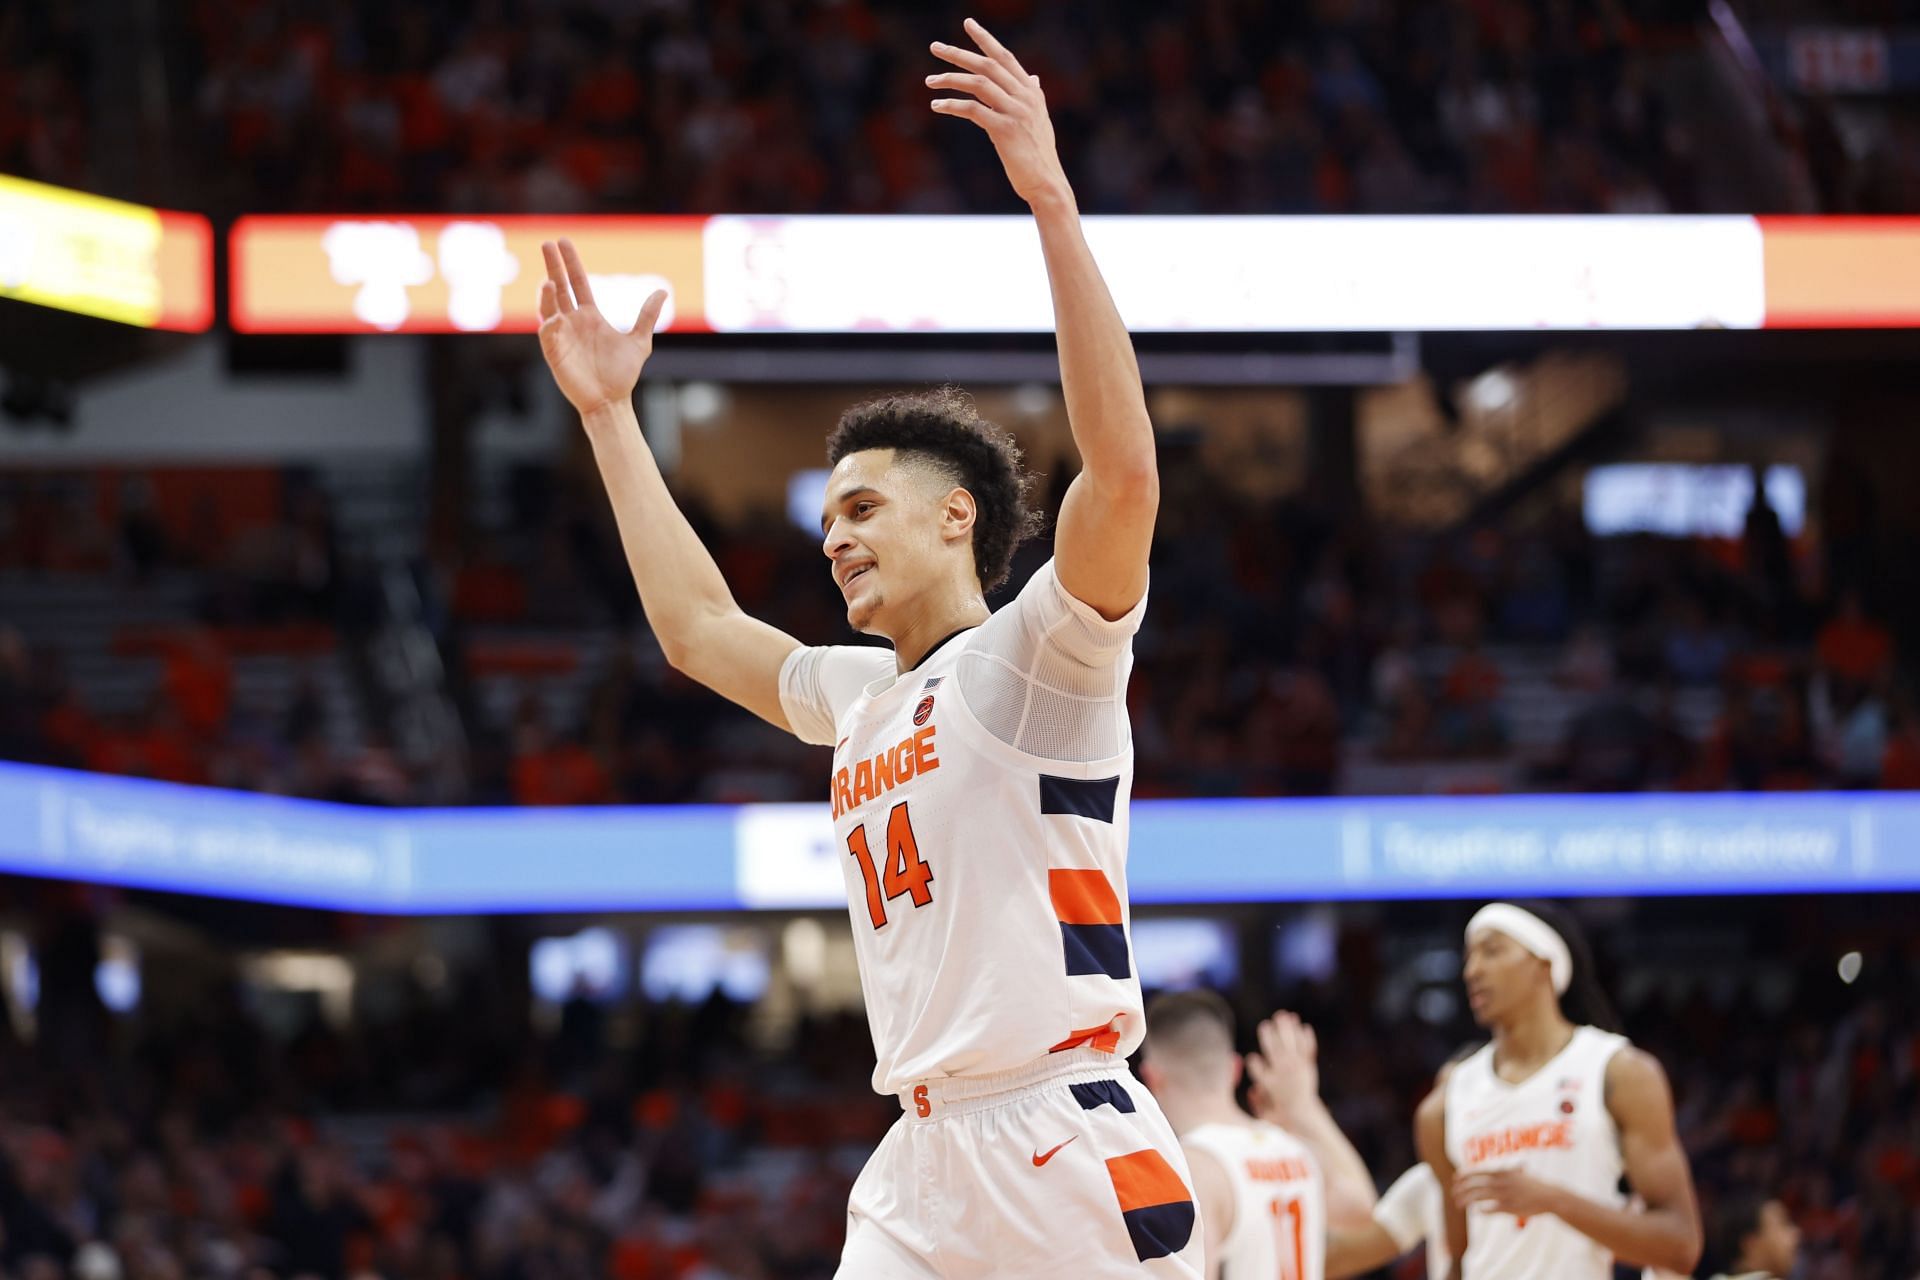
{"points": [[680, 585], [1639, 1237], [1351, 1194], [1355, 1251], [1099, 376]]}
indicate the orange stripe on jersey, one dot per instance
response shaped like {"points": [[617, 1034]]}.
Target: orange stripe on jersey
{"points": [[1145, 1179], [1105, 1039], [1083, 897]]}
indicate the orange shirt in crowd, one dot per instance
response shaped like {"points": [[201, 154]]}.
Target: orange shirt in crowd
{"points": [[200, 683], [563, 774], [1857, 648]]}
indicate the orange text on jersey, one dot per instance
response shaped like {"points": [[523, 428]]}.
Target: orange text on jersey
{"points": [[873, 777], [1286, 1169], [1556, 1136]]}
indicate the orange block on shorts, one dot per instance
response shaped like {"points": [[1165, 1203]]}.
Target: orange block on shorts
{"points": [[1083, 897], [1145, 1179]]}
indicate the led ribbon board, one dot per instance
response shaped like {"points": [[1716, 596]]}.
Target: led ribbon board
{"points": [[861, 276], [105, 258], [97, 829], [402, 274], [894, 274]]}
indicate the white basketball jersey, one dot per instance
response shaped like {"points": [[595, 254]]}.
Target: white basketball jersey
{"points": [[985, 866], [1555, 1125], [1279, 1227]]}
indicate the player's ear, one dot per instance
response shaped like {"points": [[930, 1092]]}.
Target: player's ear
{"points": [[1239, 1069], [958, 514]]}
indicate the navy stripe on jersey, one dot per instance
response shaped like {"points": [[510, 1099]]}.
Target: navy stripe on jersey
{"points": [[1085, 797], [1096, 948], [1098, 1093]]}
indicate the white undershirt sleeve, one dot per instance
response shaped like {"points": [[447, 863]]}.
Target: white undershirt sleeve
{"points": [[819, 682], [1048, 675], [1404, 1208]]}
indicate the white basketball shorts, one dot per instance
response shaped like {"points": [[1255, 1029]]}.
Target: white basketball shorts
{"points": [[1062, 1168]]}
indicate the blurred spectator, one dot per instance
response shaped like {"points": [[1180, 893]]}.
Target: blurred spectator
{"points": [[1696, 651], [1470, 722], [199, 683], [546, 771], [1852, 645]]}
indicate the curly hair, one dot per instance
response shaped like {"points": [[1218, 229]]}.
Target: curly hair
{"points": [[943, 429]]}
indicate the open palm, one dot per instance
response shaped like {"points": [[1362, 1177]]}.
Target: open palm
{"points": [[1008, 104], [595, 364]]}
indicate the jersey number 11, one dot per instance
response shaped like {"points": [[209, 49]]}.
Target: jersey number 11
{"points": [[1293, 1245]]}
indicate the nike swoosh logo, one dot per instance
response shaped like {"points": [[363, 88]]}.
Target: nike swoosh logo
{"points": [[1039, 1159]]}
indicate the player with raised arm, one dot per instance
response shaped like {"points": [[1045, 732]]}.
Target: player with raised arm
{"points": [[981, 768], [1530, 1136], [1269, 1188], [1409, 1213]]}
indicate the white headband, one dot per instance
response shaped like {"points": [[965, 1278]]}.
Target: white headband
{"points": [[1531, 932]]}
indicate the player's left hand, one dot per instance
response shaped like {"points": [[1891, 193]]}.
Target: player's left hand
{"points": [[1008, 104], [1504, 1191], [1285, 1073]]}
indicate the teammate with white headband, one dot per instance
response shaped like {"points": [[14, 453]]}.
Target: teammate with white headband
{"points": [[1531, 1135]]}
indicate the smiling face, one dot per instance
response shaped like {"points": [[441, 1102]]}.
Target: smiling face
{"points": [[1502, 976], [896, 530]]}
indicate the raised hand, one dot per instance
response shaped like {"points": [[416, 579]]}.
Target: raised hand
{"points": [[1008, 104], [595, 364], [1285, 1073]]}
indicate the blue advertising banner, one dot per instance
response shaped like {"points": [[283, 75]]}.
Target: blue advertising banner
{"points": [[122, 831]]}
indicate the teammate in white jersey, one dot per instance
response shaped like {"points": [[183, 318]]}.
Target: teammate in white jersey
{"points": [[1532, 1134], [1267, 1193], [981, 768]]}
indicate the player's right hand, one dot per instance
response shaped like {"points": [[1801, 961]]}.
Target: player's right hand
{"points": [[595, 364]]}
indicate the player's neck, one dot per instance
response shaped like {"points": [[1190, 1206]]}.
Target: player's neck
{"points": [[942, 614], [1526, 1044], [1189, 1111]]}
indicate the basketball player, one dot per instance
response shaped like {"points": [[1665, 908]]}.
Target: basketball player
{"points": [[1267, 1194], [981, 768], [1753, 1238], [1532, 1134]]}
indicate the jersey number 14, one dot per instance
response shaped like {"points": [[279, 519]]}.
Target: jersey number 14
{"points": [[905, 871]]}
